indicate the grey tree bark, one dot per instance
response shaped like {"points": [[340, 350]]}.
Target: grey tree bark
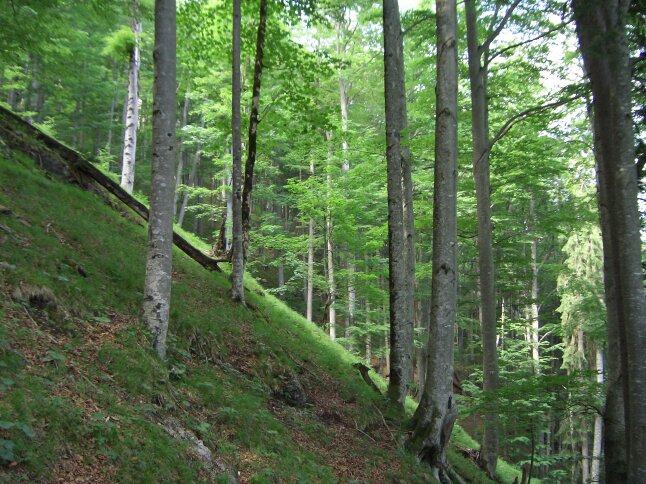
{"points": [[601, 29], [237, 248], [434, 418], [329, 226], [132, 109], [478, 71], [595, 468], [157, 287], [309, 297], [192, 177], [399, 209]]}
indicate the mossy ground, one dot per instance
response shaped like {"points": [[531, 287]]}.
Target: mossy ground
{"points": [[83, 396]]}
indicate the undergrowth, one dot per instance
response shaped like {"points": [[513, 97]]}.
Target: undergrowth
{"points": [[83, 396]]}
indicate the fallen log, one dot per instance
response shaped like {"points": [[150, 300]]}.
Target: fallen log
{"points": [[74, 167]]}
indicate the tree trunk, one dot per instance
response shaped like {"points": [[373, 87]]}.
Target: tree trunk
{"points": [[253, 128], [331, 281], [113, 106], [237, 248], [480, 158], [535, 319], [160, 224], [433, 421], [132, 113], [309, 297], [181, 154], [192, 181], [398, 162], [595, 468], [601, 28]]}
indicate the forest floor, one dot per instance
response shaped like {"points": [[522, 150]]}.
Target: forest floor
{"points": [[248, 394]]}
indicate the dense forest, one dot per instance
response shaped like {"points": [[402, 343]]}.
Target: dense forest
{"points": [[453, 191]]}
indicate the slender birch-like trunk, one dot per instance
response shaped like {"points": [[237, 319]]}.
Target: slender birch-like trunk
{"points": [[160, 223], [237, 248], [595, 467], [132, 111]]}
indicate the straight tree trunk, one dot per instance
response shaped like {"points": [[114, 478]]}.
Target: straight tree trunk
{"points": [[310, 263], [192, 181], [113, 106], [237, 248], [398, 162], [331, 281], [434, 418], [160, 225], [601, 28], [181, 154], [253, 127], [595, 468], [480, 159], [132, 111]]}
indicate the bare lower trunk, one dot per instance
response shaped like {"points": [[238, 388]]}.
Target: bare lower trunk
{"points": [[160, 224], [132, 115], [331, 281], [238, 192], [480, 160], [437, 411], [309, 297], [535, 319], [397, 155], [601, 28], [192, 179], [595, 468], [113, 105]]}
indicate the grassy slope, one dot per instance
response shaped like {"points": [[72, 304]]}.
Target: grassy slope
{"points": [[82, 395]]}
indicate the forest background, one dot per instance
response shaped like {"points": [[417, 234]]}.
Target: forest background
{"points": [[319, 228]]}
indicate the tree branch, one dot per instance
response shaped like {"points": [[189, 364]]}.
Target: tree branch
{"points": [[422, 18], [530, 112], [529, 41], [517, 118], [492, 36]]}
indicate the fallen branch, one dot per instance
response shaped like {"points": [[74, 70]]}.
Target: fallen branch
{"points": [[365, 373]]}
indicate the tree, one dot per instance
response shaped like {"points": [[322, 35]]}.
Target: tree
{"points": [[399, 209], [253, 126], [132, 105], [160, 224], [478, 72], [237, 249], [601, 29], [434, 418]]}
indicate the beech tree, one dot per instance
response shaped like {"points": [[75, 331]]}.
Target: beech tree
{"points": [[160, 222], [237, 249], [601, 28], [434, 418], [400, 207]]}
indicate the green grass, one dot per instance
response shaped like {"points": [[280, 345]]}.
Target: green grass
{"points": [[78, 377]]}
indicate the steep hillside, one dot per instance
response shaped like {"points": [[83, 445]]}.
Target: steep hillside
{"points": [[251, 394]]}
